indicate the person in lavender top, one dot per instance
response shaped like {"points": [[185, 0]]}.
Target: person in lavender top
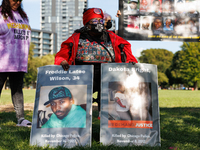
{"points": [[14, 47]]}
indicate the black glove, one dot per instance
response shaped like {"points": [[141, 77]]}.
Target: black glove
{"points": [[65, 65], [109, 24], [133, 63]]}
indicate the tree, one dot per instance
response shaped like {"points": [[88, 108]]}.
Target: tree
{"points": [[31, 75], [35, 62], [47, 60], [162, 78], [160, 57], [174, 69], [190, 62]]}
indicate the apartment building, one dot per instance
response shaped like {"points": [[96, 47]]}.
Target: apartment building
{"points": [[45, 42], [61, 17]]}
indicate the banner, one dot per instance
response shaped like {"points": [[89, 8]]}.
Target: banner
{"points": [[157, 20], [129, 105], [63, 106]]}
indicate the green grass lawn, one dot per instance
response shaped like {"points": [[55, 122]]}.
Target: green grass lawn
{"points": [[179, 98], [179, 124], [29, 96]]}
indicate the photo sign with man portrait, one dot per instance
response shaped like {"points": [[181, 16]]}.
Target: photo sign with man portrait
{"points": [[129, 105], [158, 20], [63, 106]]}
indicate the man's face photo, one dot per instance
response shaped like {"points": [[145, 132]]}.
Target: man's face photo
{"points": [[61, 107]]}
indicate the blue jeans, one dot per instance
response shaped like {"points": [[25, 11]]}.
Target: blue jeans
{"points": [[16, 84]]}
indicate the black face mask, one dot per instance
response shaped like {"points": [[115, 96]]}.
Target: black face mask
{"points": [[109, 24], [97, 27]]}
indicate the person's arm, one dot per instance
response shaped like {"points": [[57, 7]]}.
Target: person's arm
{"points": [[116, 41], [118, 13], [46, 125], [63, 56], [117, 99], [127, 49]]}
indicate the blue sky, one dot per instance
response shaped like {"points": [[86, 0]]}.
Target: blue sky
{"points": [[32, 8]]}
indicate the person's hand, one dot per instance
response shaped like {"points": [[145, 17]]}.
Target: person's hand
{"points": [[133, 63], [65, 65], [118, 13]]}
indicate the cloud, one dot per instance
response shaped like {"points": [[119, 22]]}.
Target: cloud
{"points": [[138, 51]]}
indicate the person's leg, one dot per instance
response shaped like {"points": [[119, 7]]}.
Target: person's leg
{"points": [[16, 85], [3, 77], [97, 84], [98, 88]]}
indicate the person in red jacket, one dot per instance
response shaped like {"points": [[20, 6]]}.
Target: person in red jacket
{"points": [[92, 45]]}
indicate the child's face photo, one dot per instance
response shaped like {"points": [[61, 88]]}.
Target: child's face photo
{"points": [[143, 2], [145, 23], [134, 20], [144, 5], [133, 5], [180, 6], [157, 23], [168, 22], [167, 6], [157, 5]]}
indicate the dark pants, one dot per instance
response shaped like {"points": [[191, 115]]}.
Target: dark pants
{"points": [[96, 80], [16, 84], [97, 84]]}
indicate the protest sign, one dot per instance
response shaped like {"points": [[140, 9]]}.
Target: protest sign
{"points": [[129, 105], [159, 20], [63, 107]]}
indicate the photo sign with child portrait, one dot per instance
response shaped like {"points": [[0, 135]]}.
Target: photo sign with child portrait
{"points": [[129, 105], [158, 20], [63, 106]]}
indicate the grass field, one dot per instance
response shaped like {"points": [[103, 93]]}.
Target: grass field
{"points": [[29, 96], [179, 124], [179, 98]]}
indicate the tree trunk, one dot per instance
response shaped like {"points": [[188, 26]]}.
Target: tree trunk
{"points": [[195, 86]]}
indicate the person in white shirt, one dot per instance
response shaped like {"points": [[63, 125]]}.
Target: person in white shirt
{"points": [[122, 104]]}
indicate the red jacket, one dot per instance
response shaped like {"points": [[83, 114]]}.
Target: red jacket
{"points": [[63, 54]]}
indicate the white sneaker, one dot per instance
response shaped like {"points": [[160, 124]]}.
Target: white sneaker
{"points": [[24, 123]]}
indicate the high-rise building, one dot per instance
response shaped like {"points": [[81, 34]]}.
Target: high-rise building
{"points": [[45, 42], [62, 17]]}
